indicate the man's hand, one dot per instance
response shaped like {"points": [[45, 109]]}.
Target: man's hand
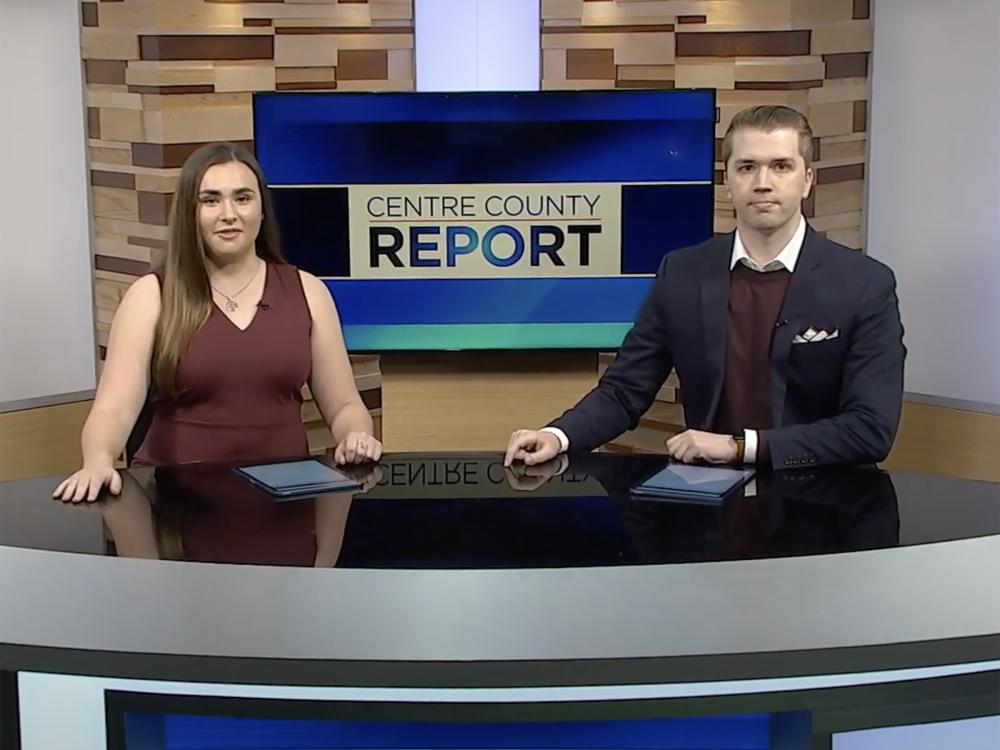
{"points": [[532, 447], [692, 446], [524, 478]]}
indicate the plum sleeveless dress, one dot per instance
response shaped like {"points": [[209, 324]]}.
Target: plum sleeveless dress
{"points": [[240, 393]]}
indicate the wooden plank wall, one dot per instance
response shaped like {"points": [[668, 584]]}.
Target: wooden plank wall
{"points": [[809, 54], [43, 440], [162, 78]]}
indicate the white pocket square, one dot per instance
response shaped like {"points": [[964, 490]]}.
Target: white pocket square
{"points": [[813, 336]]}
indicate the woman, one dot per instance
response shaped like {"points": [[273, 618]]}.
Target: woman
{"points": [[227, 334]]}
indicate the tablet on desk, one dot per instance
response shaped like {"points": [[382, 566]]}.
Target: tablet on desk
{"points": [[303, 478], [703, 484]]}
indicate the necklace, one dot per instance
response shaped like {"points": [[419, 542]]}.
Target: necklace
{"points": [[231, 304]]}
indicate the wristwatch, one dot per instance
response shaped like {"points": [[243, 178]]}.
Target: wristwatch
{"points": [[741, 445]]}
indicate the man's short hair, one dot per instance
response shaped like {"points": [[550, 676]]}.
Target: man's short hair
{"points": [[769, 117]]}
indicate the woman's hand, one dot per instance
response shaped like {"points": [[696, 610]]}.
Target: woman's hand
{"points": [[86, 484], [367, 474], [356, 448]]}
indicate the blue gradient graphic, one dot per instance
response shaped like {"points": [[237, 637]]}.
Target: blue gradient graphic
{"points": [[314, 146], [180, 732], [579, 300], [598, 136], [484, 106]]}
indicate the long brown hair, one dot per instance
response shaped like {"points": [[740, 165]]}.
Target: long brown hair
{"points": [[186, 293]]}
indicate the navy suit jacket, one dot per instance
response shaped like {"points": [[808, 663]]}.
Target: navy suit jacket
{"points": [[832, 402]]}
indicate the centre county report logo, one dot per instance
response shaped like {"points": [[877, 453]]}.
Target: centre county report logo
{"points": [[485, 231]]}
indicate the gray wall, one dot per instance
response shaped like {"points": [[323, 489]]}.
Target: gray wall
{"points": [[933, 205], [46, 307]]}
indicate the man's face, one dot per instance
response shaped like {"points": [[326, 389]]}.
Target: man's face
{"points": [[767, 178]]}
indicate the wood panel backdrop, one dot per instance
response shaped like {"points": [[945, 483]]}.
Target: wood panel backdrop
{"points": [[809, 54], [162, 78]]}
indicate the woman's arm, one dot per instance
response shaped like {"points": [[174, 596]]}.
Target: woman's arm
{"points": [[120, 393], [332, 380], [129, 520], [331, 523]]}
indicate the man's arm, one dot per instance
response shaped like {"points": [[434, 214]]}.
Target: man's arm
{"points": [[631, 382], [871, 392]]}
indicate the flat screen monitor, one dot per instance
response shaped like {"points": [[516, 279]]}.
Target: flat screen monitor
{"points": [[453, 221]]}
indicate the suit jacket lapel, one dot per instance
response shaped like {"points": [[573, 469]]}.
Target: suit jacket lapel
{"points": [[794, 314], [715, 319]]}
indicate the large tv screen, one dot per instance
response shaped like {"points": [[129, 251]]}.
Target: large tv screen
{"points": [[487, 220]]}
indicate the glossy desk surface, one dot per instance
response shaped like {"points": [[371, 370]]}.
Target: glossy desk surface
{"points": [[448, 569]]}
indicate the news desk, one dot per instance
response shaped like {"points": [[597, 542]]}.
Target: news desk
{"points": [[453, 590]]}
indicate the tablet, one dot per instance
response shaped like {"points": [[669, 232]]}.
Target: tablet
{"points": [[304, 477], [693, 483]]}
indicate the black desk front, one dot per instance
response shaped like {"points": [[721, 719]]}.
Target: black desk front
{"points": [[466, 590]]}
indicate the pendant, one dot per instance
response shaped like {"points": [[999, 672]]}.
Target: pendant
{"points": [[232, 305]]}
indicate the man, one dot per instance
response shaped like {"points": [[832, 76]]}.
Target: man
{"points": [[788, 346]]}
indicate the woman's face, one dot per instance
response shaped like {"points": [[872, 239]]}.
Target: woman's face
{"points": [[229, 209]]}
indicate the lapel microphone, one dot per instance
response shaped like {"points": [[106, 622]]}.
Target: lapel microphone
{"points": [[780, 323], [263, 306]]}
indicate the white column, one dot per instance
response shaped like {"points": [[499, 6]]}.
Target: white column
{"points": [[477, 45], [46, 302]]}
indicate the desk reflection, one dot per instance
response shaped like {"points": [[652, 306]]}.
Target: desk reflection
{"points": [[469, 512], [210, 514]]}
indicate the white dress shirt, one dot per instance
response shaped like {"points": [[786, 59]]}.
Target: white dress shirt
{"points": [[784, 260]]}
